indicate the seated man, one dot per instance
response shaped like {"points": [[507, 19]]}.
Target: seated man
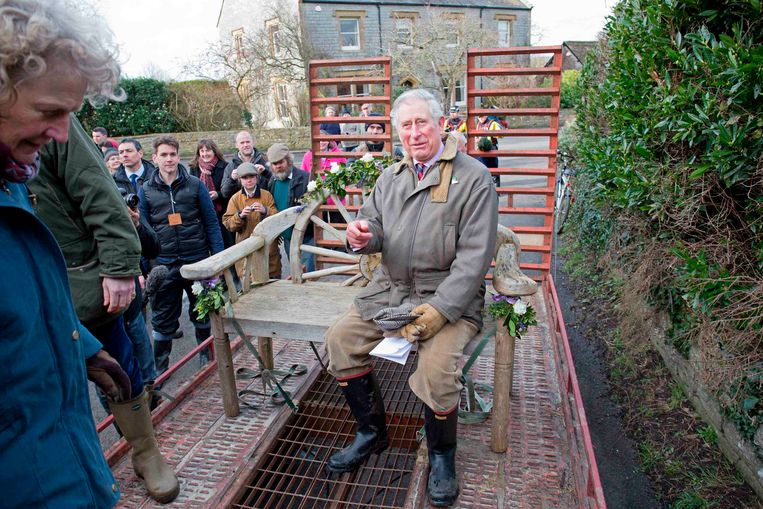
{"points": [[433, 216]]}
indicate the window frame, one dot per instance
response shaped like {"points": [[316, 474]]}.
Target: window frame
{"points": [[342, 46]]}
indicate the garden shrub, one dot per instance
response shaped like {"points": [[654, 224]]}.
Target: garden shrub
{"points": [[146, 110], [670, 148]]}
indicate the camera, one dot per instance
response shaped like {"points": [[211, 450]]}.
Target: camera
{"points": [[131, 200]]}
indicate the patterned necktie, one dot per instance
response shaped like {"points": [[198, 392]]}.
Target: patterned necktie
{"points": [[421, 168], [134, 180]]}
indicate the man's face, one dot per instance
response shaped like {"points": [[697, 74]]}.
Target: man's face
{"points": [[166, 159], [418, 131], [130, 157], [245, 144], [375, 129], [280, 168], [454, 114], [365, 110], [40, 112], [98, 137]]}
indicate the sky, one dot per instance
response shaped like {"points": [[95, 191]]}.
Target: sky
{"points": [[166, 34]]}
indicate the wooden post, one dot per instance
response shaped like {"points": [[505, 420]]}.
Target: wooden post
{"points": [[265, 347], [224, 357], [502, 378]]}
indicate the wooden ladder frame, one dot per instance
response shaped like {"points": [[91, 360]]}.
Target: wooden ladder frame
{"points": [[534, 238], [323, 92]]}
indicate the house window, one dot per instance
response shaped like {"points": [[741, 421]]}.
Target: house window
{"points": [[238, 42], [282, 102], [460, 96], [275, 39], [453, 36], [504, 33], [404, 29], [349, 34]]}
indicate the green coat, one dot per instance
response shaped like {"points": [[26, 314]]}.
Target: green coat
{"points": [[78, 200]]}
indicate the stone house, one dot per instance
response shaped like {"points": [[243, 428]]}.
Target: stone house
{"points": [[367, 28]]}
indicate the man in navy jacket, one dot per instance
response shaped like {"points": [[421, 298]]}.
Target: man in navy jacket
{"points": [[178, 207]]}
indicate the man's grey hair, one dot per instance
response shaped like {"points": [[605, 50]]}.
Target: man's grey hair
{"points": [[417, 94], [34, 33]]}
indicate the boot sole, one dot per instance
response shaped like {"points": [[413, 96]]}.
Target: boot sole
{"points": [[445, 502], [380, 448], [162, 499]]}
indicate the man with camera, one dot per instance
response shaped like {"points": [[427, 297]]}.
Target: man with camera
{"points": [[134, 170]]}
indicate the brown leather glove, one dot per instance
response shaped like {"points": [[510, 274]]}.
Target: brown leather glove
{"points": [[425, 326], [108, 375]]}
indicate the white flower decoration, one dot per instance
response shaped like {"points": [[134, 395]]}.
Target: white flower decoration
{"points": [[197, 288], [311, 186], [520, 307], [367, 157], [334, 167]]}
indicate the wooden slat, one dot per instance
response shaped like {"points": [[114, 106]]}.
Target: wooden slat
{"points": [[340, 137], [349, 79], [527, 190], [358, 99], [516, 50], [514, 112], [524, 171], [340, 62], [381, 119], [525, 210], [512, 92], [515, 153], [532, 229], [513, 71], [542, 131]]}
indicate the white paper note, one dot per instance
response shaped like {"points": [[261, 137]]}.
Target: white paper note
{"points": [[395, 349]]}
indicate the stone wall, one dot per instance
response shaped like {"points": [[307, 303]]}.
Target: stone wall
{"points": [[297, 138], [737, 449]]}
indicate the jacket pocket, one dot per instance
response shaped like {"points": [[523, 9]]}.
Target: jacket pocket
{"points": [[87, 291], [373, 297]]}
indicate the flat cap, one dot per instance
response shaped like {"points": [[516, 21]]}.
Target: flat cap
{"points": [[246, 169], [277, 151]]}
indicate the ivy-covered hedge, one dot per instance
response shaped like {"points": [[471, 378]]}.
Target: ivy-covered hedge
{"points": [[670, 148], [146, 110]]}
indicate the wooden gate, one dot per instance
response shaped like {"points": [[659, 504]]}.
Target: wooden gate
{"points": [[327, 78], [505, 83]]}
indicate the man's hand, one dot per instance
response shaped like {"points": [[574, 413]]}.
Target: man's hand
{"points": [[259, 168], [118, 293], [425, 326], [134, 215], [109, 376], [234, 174], [358, 235], [213, 195]]}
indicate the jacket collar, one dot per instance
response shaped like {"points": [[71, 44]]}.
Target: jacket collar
{"points": [[448, 154]]}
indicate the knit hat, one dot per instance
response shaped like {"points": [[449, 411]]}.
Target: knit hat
{"points": [[277, 151], [384, 128], [246, 169], [109, 153], [455, 109]]}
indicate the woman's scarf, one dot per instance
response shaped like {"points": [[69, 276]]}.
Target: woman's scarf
{"points": [[205, 174], [13, 171]]}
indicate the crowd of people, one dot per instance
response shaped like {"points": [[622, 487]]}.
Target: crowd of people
{"points": [[92, 230]]}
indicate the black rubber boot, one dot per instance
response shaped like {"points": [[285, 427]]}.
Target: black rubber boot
{"points": [[162, 351], [201, 336], [442, 486], [365, 400]]}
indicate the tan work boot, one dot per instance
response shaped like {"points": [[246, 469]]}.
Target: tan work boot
{"points": [[134, 418]]}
